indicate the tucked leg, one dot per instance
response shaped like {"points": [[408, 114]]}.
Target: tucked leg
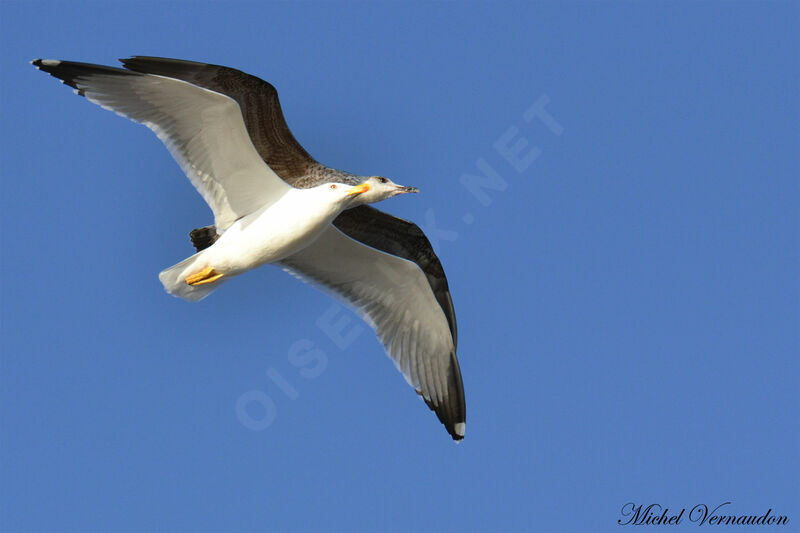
{"points": [[207, 275]]}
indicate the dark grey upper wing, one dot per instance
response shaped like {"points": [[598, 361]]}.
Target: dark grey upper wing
{"points": [[257, 99], [203, 130], [394, 297], [402, 238]]}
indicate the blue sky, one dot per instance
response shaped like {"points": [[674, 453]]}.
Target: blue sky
{"points": [[627, 294]]}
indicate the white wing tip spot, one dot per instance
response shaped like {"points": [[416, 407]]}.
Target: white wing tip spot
{"points": [[50, 62], [460, 428]]}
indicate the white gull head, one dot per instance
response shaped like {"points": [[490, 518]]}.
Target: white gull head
{"points": [[381, 188]]}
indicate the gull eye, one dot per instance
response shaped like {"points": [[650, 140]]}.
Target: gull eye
{"points": [[332, 186], [383, 180]]}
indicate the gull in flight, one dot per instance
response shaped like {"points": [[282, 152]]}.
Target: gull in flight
{"points": [[273, 203]]}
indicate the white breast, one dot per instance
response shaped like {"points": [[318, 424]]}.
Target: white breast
{"points": [[272, 233]]}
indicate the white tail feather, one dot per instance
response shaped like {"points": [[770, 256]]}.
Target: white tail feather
{"points": [[174, 280]]}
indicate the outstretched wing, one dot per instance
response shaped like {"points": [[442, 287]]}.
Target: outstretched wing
{"points": [[259, 105], [405, 239], [394, 296], [203, 130]]}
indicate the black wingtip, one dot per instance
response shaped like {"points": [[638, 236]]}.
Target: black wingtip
{"points": [[45, 64], [457, 423], [456, 430], [73, 73], [453, 416], [54, 68]]}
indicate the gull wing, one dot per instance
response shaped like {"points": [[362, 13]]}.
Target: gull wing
{"points": [[394, 296], [259, 105], [203, 130], [404, 239]]}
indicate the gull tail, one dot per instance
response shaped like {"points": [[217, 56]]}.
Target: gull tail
{"points": [[174, 280]]}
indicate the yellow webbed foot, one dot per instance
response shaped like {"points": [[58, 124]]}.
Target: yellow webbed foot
{"points": [[207, 275]]}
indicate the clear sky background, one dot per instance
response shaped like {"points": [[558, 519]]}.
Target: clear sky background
{"points": [[627, 295]]}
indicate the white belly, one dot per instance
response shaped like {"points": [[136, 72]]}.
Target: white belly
{"points": [[268, 235]]}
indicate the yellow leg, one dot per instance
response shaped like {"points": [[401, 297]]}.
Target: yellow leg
{"points": [[207, 275]]}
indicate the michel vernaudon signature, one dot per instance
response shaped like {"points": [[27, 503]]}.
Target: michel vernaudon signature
{"points": [[700, 514]]}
